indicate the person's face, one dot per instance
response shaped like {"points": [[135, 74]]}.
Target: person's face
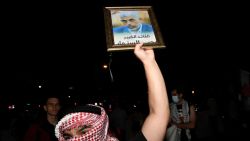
{"points": [[130, 21], [76, 132], [52, 106], [175, 94]]}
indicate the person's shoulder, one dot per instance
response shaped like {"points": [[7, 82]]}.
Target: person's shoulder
{"points": [[147, 27], [139, 137], [32, 128], [119, 29]]}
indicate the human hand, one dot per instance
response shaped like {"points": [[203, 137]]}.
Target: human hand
{"points": [[144, 54]]}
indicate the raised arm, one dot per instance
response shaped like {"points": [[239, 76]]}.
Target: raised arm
{"points": [[154, 126]]}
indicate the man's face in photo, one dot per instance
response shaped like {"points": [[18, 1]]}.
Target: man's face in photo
{"points": [[130, 21]]}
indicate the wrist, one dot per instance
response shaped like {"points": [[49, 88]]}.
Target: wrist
{"points": [[149, 62]]}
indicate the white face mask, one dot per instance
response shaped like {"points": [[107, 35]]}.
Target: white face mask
{"points": [[175, 99]]}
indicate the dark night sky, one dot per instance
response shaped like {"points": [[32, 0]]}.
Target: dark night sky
{"points": [[64, 43]]}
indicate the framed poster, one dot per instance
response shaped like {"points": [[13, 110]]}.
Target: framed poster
{"points": [[129, 25]]}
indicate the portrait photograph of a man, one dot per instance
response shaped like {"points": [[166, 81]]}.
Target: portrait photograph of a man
{"points": [[130, 27]]}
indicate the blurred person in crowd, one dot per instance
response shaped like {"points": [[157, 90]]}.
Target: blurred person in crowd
{"points": [[118, 120], [182, 117], [44, 128]]}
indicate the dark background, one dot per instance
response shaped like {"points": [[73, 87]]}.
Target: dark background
{"points": [[62, 47]]}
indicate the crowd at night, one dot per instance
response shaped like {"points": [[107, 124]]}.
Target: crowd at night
{"points": [[61, 49]]}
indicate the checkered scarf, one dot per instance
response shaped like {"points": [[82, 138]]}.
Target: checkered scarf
{"points": [[175, 116], [98, 131]]}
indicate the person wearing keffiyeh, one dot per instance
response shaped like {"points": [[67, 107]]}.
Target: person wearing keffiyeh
{"points": [[91, 123], [88, 122], [183, 117]]}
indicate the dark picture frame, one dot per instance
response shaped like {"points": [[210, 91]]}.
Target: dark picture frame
{"points": [[119, 37]]}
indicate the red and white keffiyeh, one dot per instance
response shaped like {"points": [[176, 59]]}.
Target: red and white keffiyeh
{"points": [[98, 131]]}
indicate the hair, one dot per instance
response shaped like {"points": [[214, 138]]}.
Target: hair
{"points": [[180, 90], [48, 93], [134, 14], [48, 96]]}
